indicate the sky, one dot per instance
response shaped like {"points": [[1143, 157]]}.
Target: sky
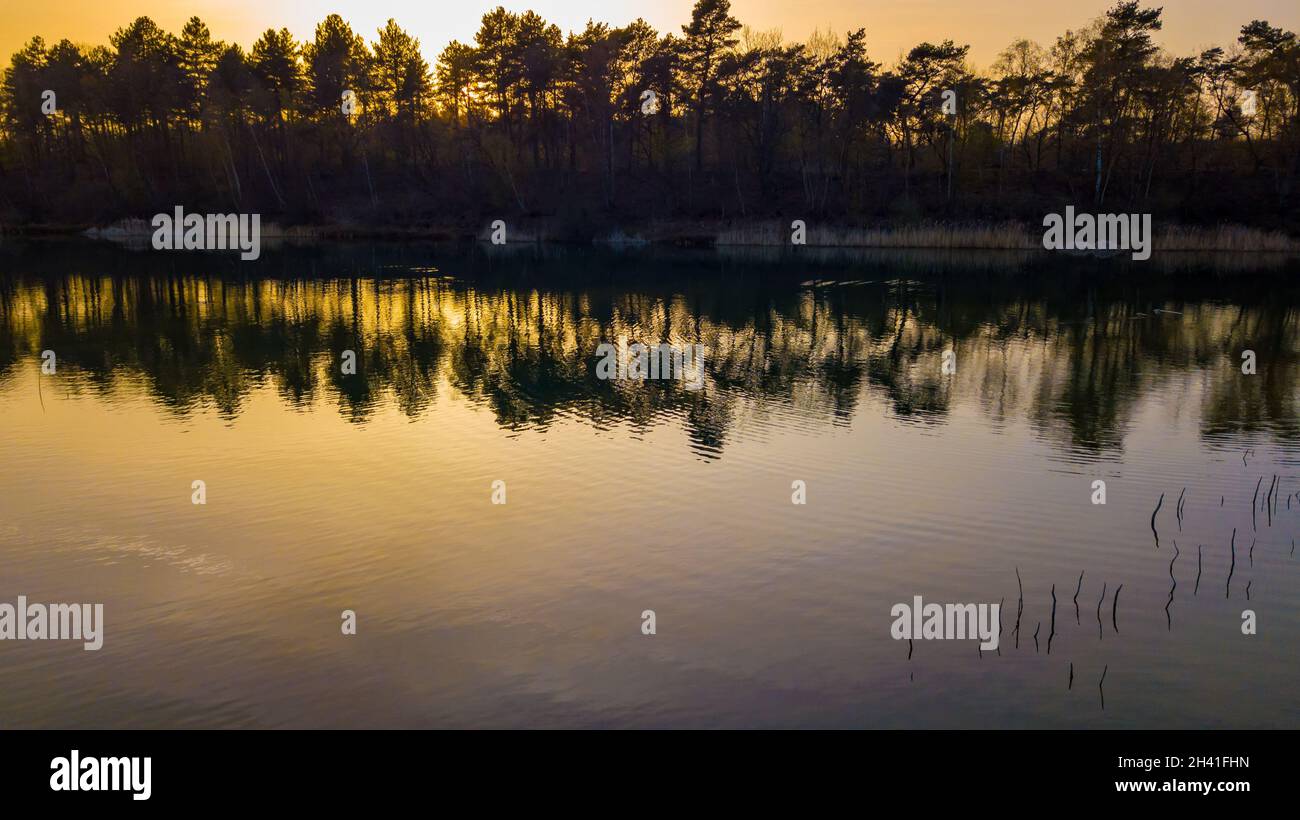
{"points": [[893, 26]]}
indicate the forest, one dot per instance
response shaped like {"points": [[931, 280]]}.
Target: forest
{"points": [[595, 132]]}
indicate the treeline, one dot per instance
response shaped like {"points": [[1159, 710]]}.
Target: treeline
{"points": [[612, 127]]}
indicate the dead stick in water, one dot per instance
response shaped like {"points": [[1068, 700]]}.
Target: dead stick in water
{"points": [[1197, 588], [1114, 605], [1179, 509], [1071, 684], [1100, 686], [1153, 518], [1169, 619], [1040, 626], [1020, 608], [1000, 603], [1253, 499], [1227, 593], [1052, 633], [1099, 600], [1076, 597]]}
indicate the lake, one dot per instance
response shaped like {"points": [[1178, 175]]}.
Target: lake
{"points": [[373, 491]]}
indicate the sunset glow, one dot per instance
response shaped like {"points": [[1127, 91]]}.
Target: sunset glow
{"points": [[893, 26]]}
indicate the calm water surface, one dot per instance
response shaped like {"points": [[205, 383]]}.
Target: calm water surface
{"points": [[372, 492]]}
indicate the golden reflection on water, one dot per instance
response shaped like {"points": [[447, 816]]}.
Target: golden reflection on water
{"points": [[529, 353], [371, 492]]}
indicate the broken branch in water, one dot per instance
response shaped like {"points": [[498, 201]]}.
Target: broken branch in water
{"points": [[1076, 597], [1114, 605]]}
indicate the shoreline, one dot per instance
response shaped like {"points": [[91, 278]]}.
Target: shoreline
{"points": [[935, 235]]}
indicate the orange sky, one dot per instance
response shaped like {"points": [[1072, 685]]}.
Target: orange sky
{"points": [[892, 25]]}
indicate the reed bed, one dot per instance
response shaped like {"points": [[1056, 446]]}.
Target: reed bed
{"points": [[991, 236], [999, 236], [1225, 238]]}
